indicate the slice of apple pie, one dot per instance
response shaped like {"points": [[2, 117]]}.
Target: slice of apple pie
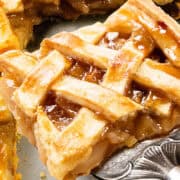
{"points": [[87, 93]]}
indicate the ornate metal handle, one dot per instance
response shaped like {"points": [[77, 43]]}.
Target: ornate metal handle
{"points": [[151, 159]]}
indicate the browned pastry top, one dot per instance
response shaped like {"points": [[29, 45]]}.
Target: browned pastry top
{"points": [[86, 93]]}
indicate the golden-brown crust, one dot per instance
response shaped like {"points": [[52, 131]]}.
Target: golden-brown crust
{"points": [[24, 15], [157, 73], [105, 119], [74, 143], [8, 38], [12, 6], [161, 26], [8, 159]]}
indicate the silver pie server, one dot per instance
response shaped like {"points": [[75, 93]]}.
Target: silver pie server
{"points": [[156, 159]]}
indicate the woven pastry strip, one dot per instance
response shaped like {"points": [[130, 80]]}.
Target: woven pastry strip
{"points": [[111, 111]]}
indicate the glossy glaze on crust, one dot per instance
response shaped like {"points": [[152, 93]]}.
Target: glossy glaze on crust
{"points": [[23, 15], [83, 98], [60, 110]]}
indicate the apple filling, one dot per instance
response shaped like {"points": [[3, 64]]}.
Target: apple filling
{"points": [[85, 72], [59, 110], [113, 40], [62, 111]]}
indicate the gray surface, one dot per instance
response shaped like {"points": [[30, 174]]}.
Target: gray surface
{"points": [[29, 164]]}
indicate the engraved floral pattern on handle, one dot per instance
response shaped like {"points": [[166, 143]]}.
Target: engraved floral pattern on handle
{"points": [[157, 159], [158, 162]]}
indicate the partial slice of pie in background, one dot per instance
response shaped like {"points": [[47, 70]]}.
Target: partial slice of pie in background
{"points": [[8, 158], [88, 93], [24, 14]]}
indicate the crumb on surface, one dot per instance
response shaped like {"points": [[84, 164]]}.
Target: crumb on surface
{"points": [[42, 176]]}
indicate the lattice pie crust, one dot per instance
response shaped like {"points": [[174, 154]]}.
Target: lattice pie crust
{"points": [[87, 93]]}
